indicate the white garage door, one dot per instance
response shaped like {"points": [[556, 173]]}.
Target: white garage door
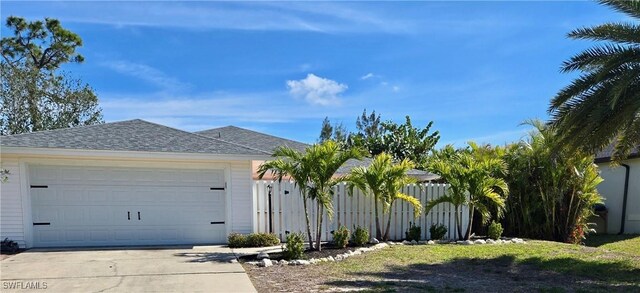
{"points": [[96, 206]]}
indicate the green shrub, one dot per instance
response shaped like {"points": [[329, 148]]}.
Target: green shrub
{"points": [[437, 231], [413, 233], [360, 236], [341, 237], [552, 188], [236, 240], [295, 246], [495, 230], [261, 240]]}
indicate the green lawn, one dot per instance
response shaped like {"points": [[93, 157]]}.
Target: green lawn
{"points": [[537, 266], [599, 266], [627, 243]]}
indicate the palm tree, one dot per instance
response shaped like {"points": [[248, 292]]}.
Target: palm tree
{"points": [[603, 104], [383, 180], [295, 165], [395, 179], [471, 174], [326, 159], [313, 173], [444, 163]]}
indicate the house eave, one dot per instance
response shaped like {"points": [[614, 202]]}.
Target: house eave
{"points": [[27, 151]]}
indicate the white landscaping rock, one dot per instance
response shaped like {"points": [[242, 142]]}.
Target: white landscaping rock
{"points": [[391, 243], [479, 241], [339, 257], [466, 242], [262, 255], [381, 245], [357, 252], [431, 242], [374, 241], [405, 242], [265, 263], [233, 260], [284, 262], [491, 241], [330, 258], [413, 242], [517, 240], [255, 263], [299, 262]]}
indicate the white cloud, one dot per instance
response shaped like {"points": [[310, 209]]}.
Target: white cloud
{"points": [[146, 73], [367, 76], [395, 88], [317, 90]]}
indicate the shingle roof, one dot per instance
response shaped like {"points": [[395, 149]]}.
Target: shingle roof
{"points": [[418, 174], [606, 154], [131, 135], [252, 139]]}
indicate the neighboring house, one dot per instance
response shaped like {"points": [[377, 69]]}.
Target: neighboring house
{"points": [[422, 176], [268, 143], [124, 183], [621, 190]]}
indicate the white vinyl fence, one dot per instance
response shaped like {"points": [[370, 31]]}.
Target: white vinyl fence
{"points": [[287, 212]]}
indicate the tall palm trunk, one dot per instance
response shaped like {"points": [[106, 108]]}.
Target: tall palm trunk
{"points": [[458, 222], [306, 216], [470, 223], [378, 230], [386, 231], [319, 227]]}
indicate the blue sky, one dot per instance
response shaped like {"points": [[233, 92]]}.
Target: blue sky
{"points": [[477, 69]]}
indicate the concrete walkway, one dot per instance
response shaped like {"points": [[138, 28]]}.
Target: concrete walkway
{"points": [[150, 269]]}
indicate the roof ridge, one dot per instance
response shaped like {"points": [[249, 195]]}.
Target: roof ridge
{"points": [[204, 136], [258, 132], [74, 127]]}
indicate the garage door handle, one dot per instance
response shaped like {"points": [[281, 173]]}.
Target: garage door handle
{"points": [[129, 216], [138, 216]]}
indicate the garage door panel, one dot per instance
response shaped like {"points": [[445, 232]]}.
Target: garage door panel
{"points": [[95, 206]]}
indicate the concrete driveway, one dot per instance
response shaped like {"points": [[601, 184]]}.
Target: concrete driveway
{"points": [[167, 269]]}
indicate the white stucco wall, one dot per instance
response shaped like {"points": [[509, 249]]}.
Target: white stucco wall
{"points": [[612, 189], [15, 206]]}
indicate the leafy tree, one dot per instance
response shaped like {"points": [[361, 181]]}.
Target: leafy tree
{"points": [[401, 141], [337, 132], [603, 104], [313, 172], [326, 131], [383, 180], [369, 125], [473, 182], [404, 141], [34, 96]]}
